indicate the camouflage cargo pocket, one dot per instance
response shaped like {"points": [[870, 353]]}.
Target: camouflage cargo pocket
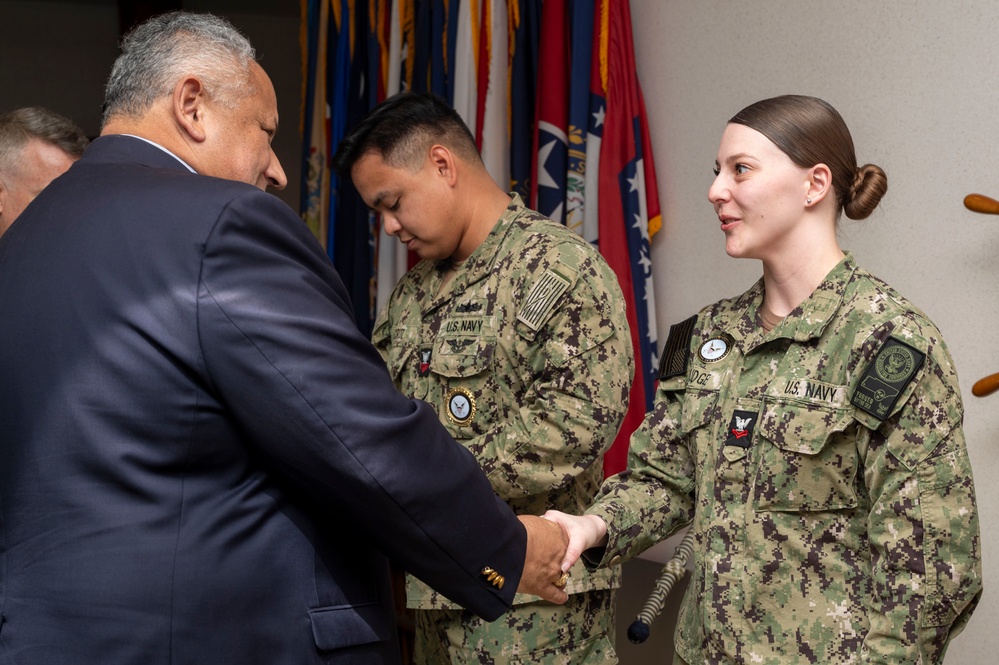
{"points": [[403, 350], [951, 541], [464, 368], [809, 459], [463, 357], [596, 650]]}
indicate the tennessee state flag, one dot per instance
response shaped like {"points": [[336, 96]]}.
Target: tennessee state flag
{"points": [[628, 205], [551, 142]]}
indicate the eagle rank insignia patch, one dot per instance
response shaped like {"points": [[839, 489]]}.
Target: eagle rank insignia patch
{"points": [[740, 430]]}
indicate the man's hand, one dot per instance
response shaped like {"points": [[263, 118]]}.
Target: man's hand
{"points": [[584, 531], [546, 545]]}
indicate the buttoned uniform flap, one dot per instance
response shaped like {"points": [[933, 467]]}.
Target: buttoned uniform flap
{"points": [[382, 333], [932, 412], [809, 459], [803, 428], [459, 356], [700, 407], [671, 388], [402, 348], [349, 626]]}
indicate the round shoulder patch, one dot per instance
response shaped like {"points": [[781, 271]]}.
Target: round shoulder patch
{"points": [[716, 348]]}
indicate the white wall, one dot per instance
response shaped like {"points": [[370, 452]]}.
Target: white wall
{"points": [[915, 82]]}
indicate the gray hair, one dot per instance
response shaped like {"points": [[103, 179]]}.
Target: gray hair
{"points": [[159, 52], [19, 126]]}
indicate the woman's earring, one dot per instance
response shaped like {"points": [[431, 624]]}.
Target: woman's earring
{"points": [[808, 200]]}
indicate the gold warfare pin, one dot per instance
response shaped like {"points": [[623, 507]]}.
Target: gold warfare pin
{"points": [[460, 406]]}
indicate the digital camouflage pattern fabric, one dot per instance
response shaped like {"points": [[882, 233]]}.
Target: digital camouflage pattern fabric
{"points": [[527, 356], [581, 632], [832, 504]]}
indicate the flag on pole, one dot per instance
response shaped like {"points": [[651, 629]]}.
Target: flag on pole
{"points": [[525, 23], [438, 46], [491, 112], [315, 134], [580, 62], [422, 45], [351, 238], [392, 260], [595, 123], [551, 140], [338, 84], [466, 53], [628, 206]]}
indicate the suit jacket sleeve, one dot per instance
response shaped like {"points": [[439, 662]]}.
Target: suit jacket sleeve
{"points": [[317, 403]]}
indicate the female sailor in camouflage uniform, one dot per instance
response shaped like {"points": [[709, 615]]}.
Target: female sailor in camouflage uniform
{"points": [[810, 430]]}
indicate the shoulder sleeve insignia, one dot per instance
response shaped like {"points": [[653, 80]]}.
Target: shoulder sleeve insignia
{"points": [[673, 361], [543, 299], [886, 377]]}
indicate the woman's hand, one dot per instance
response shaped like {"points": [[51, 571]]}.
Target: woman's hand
{"points": [[585, 531]]}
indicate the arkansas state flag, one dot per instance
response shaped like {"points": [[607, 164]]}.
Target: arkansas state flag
{"points": [[628, 206]]}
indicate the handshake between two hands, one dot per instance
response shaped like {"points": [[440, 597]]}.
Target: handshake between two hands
{"points": [[555, 542]]}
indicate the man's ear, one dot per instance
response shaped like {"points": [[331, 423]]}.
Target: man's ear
{"points": [[188, 104], [444, 163]]}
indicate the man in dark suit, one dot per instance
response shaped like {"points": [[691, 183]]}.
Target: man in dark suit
{"points": [[201, 458]]}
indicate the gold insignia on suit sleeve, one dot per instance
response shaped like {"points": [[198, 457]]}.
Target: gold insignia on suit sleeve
{"points": [[493, 577]]}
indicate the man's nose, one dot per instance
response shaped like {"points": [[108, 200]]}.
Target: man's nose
{"points": [[390, 224], [275, 174]]}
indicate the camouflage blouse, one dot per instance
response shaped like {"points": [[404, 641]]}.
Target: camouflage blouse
{"points": [[824, 472], [526, 354]]}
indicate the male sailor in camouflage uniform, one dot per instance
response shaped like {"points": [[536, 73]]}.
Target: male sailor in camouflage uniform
{"points": [[515, 329]]}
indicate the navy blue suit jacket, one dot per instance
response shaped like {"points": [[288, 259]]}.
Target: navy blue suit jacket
{"points": [[201, 458]]}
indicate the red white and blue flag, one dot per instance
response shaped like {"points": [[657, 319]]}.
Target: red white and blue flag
{"points": [[551, 143], [628, 202]]}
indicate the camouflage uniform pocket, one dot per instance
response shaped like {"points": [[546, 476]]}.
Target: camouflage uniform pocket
{"points": [[466, 383], [700, 408], [597, 650], [401, 348], [951, 540], [462, 356], [809, 459]]}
